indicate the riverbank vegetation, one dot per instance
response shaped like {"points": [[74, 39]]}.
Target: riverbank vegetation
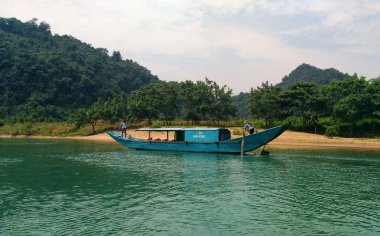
{"points": [[348, 107]]}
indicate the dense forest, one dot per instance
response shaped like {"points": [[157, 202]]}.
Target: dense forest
{"points": [[348, 107], [45, 77]]}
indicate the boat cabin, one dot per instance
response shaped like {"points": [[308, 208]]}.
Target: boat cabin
{"points": [[194, 135]]}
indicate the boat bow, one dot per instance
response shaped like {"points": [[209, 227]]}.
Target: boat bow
{"points": [[259, 139]]}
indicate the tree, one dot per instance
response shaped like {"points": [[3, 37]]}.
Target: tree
{"points": [[169, 102], [264, 102], [90, 115], [116, 108], [349, 100], [352, 108], [195, 99], [144, 103], [373, 89], [221, 107], [116, 56], [303, 99]]}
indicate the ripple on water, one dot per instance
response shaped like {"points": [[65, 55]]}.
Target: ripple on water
{"points": [[103, 191]]}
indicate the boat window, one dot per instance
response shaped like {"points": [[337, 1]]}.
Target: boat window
{"points": [[179, 136], [224, 134]]}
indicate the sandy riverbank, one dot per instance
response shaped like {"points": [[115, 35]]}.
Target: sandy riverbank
{"points": [[300, 140], [288, 140]]}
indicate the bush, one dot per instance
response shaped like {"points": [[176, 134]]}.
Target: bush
{"points": [[332, 130], [155, 124], [325, 121], [26, 129]]}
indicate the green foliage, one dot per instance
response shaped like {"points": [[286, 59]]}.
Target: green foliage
{"points": [[264, 102], [26, 129], [305, 106], [91, 115], [326, 121], [168, 99], [116, 108], [155, 124], [205, 100], [303, 99], [42, 75], [144, 103], [332, 130], [350, 101], [52, 129], [373, 89], [3, 114], [221, 107], [195, 100]]}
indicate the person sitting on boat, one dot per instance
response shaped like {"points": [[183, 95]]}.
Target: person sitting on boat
{"points": [[249, 127], [123, 127]]}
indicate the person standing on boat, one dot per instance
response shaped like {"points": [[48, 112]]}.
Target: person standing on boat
{"points": [[123, 127], [249, 127]]}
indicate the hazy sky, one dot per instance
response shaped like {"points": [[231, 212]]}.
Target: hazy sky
{"points": [[233, 42]]}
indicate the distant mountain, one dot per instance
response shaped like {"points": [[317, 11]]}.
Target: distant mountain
{"points": [[308, 73], [38, 68]]}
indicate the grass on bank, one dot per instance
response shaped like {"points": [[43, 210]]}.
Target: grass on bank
{"points": [[61, 129]]}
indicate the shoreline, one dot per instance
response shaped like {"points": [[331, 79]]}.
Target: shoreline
{"points": [[290, 140]]}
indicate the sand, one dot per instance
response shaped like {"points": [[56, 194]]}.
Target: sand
{"points": [[288, 140], [300, 140]]}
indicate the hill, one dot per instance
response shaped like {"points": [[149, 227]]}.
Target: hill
{"points": [[308, 73], [60, 72]]}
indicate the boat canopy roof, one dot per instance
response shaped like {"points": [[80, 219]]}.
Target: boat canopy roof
{"points": [[178, 129]]}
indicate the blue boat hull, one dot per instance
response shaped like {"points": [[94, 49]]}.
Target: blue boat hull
{"points": [[251, 142]]}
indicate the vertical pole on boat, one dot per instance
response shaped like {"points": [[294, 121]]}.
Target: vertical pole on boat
{"points": [[242, 146]]}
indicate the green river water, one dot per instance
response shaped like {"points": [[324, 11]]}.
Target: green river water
{"points": [[59, 187]]}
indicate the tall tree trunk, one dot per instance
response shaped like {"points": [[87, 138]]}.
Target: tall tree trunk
{"points": [[93, 124]]}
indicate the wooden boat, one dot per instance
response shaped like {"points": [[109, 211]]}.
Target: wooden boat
{"points": [[216, 140]]}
